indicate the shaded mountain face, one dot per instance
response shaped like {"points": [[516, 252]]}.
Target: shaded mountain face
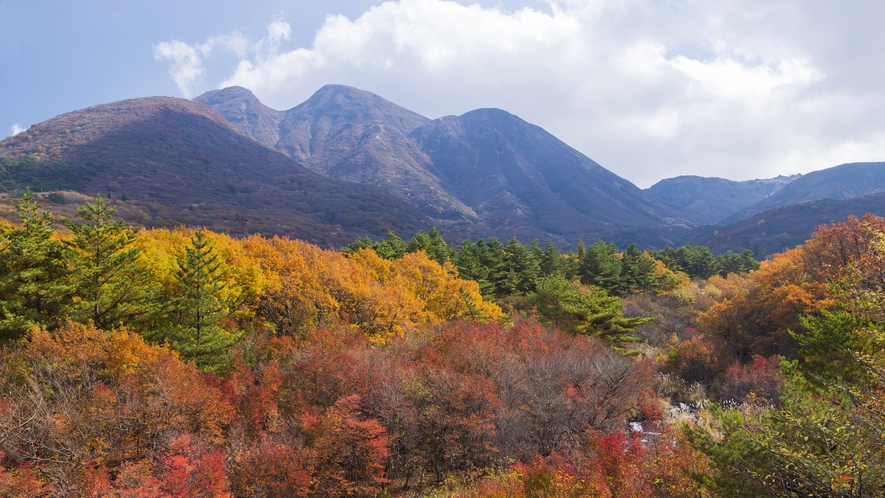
{"points": [[486, 173], [523, 181], [783, 228], [839, 182], [707, 201], [181, 162]]}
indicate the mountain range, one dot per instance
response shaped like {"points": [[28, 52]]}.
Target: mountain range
{"points": [[348, 163], [483, 173], [845, 181], [709, 201], [785, 227]]}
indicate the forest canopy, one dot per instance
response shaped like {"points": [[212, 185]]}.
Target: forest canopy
{"points": [[186, 362]]}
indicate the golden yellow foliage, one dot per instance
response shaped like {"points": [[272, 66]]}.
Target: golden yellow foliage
{"points": [[307, 286], [296, 296], [667, 278], [242, 275]]}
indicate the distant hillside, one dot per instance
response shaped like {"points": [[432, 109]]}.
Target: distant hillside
{"points": [[707, 201], [783, 228], [181, 162], [840, 182], [486, 173]]}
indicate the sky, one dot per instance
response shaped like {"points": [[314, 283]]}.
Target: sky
{"points": [[649, 89]]}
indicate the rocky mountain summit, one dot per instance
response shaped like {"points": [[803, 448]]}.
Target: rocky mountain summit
{"points": [[485, 173]]}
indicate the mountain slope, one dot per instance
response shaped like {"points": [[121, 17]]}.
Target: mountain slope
{"points": [[486, 173], [243, 110], [182, 162], [354, 135], [840, 182], [707, 201], [523, 181], [786, 227]]}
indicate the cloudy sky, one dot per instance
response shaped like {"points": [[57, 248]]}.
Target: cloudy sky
{"points": [[650, 89]]}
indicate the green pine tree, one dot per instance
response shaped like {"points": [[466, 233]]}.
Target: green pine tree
{"points": [[551, 260], [521, 269], [355, 246], [570, 266], [112, 288], [698, 261], [584, 310], [194, 312], [602, 267], [638, 271], [469, 262], [730, 262], [34, 284], [419, 242], [392, 247], [437, 248], [494, 258]]}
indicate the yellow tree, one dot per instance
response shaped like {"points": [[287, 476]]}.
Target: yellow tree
{"points": [[445, 296], [296, 297]]}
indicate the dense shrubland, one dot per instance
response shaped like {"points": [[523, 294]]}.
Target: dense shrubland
{"points": [[189, 363]]}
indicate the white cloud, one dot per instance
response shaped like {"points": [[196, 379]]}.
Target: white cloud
{"points": [[16, 129], [648, 88], [186, 63], [729, 79], [279, 30]]}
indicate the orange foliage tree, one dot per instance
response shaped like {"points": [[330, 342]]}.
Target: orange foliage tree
{"points": [[81, 400], [757, 319]]}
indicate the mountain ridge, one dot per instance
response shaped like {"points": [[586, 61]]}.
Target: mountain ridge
{"points": [[183, 163], [351, 134], [844, 181], [709, 200], [785, 227]]}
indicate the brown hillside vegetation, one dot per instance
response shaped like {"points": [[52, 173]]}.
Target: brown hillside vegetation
{"points": [[181, 162]]}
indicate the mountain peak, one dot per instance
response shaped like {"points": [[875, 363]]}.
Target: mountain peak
{"points": [[346, 103], [485, 172], [243, 110], [181, 162], [213, 97], [337, 89], [489, 112]]}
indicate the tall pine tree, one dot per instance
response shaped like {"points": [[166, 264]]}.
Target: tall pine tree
{"points": [[34, 285], [602, 267], [111, 287], [637, 271], [193, 313], [584, 310]]}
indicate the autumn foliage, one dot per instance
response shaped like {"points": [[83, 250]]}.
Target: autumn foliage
{"points": [[88, 412], [272, 367]]}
